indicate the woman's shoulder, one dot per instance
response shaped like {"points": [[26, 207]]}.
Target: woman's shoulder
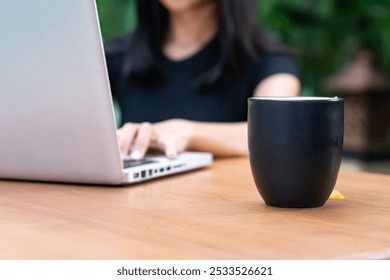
{"points": [[115, 51], [118, 45], [275, 57], [274, 62]]}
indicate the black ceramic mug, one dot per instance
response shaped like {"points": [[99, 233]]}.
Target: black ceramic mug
{"points": [[295, 148]]}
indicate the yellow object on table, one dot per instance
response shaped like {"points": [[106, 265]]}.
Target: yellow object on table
{"points": [[336, 195]]}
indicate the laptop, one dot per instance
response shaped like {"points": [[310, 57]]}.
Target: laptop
{"points": [[57, 121]]}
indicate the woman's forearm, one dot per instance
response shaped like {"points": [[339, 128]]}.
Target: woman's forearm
{"points": [[221, 139]]}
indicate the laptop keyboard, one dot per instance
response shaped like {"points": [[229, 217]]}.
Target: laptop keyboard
{"points": [[132, 163]]}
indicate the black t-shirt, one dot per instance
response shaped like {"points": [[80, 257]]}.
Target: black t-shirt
{"points": [[177, 97]]}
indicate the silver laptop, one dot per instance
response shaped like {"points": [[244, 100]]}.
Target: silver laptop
{"points": [[56, 115]]}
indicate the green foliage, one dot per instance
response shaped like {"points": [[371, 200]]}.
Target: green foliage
{"points": [[325, 34], [116, 16]]}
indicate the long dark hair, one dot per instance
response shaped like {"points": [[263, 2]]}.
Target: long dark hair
{"points": [[240, 39]]}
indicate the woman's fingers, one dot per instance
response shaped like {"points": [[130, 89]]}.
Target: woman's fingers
{"points": [[142, 141], [126, 135], [170, 149], [169, 136], [169, 145], [134, 139]]}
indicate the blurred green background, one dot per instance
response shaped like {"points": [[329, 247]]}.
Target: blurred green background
{"points": [[325, 34]]}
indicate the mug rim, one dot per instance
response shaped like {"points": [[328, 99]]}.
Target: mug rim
{"points": [[296, 98]]}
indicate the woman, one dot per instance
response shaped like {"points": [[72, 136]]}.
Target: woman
{"points": [[182, 78]]}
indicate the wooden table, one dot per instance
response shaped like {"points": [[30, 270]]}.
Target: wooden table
{"points": [[214, 213]]}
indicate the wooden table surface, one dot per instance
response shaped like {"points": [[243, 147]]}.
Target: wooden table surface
{"points": [[213, 213]]}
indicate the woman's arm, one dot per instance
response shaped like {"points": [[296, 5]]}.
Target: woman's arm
{"points": [[221, 139], [177, 135], [279, 85]]}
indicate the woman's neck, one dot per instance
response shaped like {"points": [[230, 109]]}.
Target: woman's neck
{"points": [[190, 30]]}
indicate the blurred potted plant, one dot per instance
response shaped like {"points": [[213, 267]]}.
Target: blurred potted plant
{"points": [[366, 93]]}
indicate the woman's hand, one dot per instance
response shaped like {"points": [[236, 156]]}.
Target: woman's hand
{"points": [[171, 136]]}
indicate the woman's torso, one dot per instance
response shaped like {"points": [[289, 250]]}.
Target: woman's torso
{"points": [[177, 95]]}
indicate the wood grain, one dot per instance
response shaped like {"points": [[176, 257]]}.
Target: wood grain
{"points": [[213, 213]]}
